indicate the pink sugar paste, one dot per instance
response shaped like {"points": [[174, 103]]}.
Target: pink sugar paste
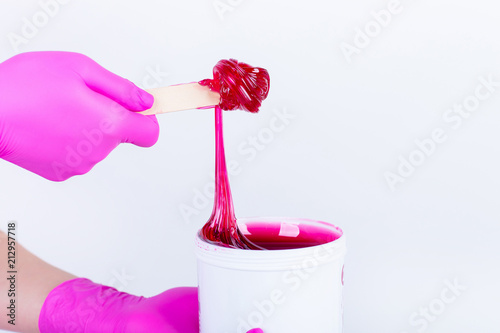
{"points": [[285, 236], [245, 87], [221, 228]]}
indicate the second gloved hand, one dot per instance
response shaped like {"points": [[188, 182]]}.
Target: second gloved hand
{"points": [[61, 113], [81, 306]]}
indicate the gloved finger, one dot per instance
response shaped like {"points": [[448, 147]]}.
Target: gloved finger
{"points": [[140, 130], [119, 89], [122, 124], [256, 330]]}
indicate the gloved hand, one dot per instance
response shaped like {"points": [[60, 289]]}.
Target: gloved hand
{"points": [[79, 305], [61, 113]]}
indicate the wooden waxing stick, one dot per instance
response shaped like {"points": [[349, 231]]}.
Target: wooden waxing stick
{"points": [[181, 97]]}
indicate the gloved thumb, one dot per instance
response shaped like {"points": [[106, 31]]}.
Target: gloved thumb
{"points": [[120, 90]]}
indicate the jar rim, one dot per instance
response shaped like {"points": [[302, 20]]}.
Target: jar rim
{"points": [[280, 259]]}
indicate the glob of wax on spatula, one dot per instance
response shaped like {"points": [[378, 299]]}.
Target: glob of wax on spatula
{"points": [[235, 86]]}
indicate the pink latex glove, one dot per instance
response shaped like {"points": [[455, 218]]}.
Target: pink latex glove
{"points": [[61, 113], [81, 306]]}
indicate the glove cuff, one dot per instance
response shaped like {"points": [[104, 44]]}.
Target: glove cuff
{"points": [[72, 305]]}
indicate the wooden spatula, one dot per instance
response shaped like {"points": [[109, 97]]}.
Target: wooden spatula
{"points": [[182, 97]]}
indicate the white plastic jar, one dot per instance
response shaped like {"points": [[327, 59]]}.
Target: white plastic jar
{"points": [[281, 291]]}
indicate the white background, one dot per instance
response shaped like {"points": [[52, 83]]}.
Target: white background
{"points": [[352, 121]]}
